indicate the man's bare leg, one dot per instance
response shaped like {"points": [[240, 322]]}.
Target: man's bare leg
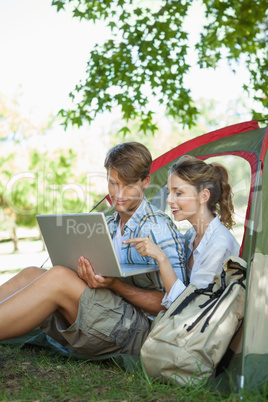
{"points": [[57, 289], [19, 281]]}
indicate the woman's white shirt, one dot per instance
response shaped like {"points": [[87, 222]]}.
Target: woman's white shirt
{"points": [[215, 247]]}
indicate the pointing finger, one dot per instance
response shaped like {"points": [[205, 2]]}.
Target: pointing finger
{"points": [[134, 240]]}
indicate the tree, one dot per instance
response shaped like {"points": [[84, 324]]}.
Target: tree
{"points": [[36, 190], [146, 56]]}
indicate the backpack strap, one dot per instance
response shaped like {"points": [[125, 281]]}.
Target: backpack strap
{"points": [[238, 282], [205, 291], [204, 312], [184, 303]]}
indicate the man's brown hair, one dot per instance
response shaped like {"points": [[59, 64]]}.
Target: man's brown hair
{"points": [[131, 160]]}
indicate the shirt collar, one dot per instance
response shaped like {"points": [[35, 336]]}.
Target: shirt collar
{"points": [[135, 218], [214, 224]]}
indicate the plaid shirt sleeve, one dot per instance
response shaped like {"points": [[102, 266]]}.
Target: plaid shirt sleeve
{"points": [[165, 234], [159, 227]]}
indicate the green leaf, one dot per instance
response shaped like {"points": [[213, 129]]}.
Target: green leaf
{"points": [[148, 56]]}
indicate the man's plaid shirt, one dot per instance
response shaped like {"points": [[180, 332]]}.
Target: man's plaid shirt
{"points": [[149, 221]]}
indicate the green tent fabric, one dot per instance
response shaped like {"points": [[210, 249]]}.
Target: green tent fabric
{"points": [[247, 367]]}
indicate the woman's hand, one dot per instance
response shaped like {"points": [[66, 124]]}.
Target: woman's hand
{"points": [[86, 272], [147, 248]]}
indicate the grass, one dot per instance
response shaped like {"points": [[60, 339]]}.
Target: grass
{"points": [[35, 374]]}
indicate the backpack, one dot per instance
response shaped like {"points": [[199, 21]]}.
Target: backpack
{"points": [[188, 340]]}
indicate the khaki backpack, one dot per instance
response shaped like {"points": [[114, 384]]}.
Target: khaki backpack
{"points": [[188, 341]]}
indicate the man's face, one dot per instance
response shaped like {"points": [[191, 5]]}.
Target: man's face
{"points": [[126, 197]]}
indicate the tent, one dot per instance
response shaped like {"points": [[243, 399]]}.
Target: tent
{"points": [[248, 366]]}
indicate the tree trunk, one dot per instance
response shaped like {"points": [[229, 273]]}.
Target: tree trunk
{"points": [[15, 239]]}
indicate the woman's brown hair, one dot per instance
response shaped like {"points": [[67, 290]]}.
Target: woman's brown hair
{"points": [[213, 177]]}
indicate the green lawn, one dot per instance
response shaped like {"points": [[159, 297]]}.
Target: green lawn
{"points": [[35, 374]]}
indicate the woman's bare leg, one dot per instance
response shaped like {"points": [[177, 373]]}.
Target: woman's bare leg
{"points": [[57, 289], [19, 281]]}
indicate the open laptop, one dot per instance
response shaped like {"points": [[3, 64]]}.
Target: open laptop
{"points": [[70, 236]]}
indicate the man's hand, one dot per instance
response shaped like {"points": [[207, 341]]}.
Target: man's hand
{"points": [[148, 300], [86, 272]]}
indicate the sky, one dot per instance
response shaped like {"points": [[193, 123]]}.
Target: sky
{"points": [[44, 55]]}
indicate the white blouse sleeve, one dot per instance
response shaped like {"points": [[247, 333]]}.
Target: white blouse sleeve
{"points": [[209, 266], [174, 292]]}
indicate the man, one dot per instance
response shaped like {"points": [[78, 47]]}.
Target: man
{"points": [[86, 312]]}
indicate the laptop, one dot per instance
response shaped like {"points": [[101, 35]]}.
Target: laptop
{"points": [[70, 236]]}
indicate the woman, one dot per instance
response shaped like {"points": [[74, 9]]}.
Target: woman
{"points": [[200, 193]]}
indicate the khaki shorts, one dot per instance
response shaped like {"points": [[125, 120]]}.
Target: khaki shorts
{"points": [[105, 323]]}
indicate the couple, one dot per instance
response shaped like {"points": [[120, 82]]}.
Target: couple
{"points": [[97, 315]]}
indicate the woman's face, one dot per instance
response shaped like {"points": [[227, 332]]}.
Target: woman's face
{"points": [[183, 199]]}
